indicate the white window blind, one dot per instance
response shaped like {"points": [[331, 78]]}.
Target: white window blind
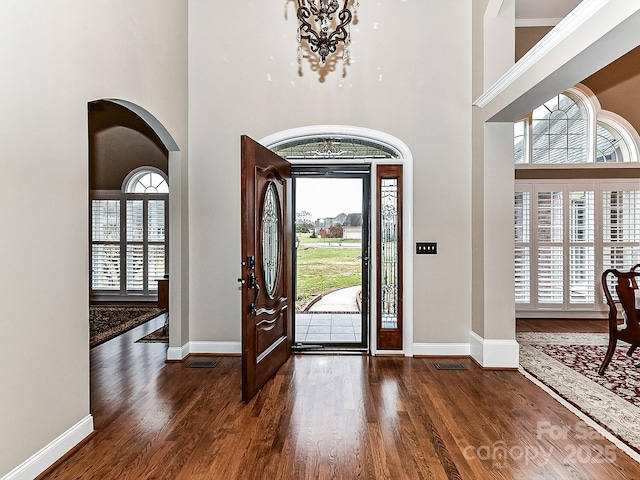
{"points": [[621, 230], [135, 245], [550, 248], [105, 251], [156, 253], [128, 248], [522, 248], [581, 247], [582, 228]]}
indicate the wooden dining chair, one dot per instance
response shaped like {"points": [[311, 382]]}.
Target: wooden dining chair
{"points": [[629, 330]]}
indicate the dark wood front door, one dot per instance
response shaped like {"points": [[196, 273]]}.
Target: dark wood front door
{"points": [[267, 305]]}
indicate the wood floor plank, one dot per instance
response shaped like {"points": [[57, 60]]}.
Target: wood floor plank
{"points": [[328, 417]]}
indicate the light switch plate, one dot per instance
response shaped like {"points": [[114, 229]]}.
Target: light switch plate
{"points": [[423, 248]]}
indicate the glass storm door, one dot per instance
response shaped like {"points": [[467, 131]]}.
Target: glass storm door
{"points": [[331, 261], [267, 312]]}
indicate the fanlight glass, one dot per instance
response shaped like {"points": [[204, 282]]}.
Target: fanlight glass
{"points": [[271, 239]]}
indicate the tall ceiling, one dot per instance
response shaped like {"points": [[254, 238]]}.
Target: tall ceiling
{"points": [[542, 12]]}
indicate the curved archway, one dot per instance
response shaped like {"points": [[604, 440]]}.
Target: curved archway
{"points": [[148, 128], [402, 155], [161, 132]]}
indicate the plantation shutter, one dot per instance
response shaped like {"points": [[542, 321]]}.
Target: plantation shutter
{"points": [[550, 236], [135, 245], [581, 229], [156, 254], [581, 247], [621, 228], [105, 245], [522, 238], [128, 243]]}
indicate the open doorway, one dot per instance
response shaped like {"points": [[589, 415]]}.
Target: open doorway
{"points": [[331, 259], [132, 161]]}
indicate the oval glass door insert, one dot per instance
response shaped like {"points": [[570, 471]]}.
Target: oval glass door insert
{"points": [[270, 239]]}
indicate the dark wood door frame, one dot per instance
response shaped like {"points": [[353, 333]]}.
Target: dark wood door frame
{"points": [[389, 338]]}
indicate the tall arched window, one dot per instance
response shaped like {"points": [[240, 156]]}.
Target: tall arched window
{"points": [[129, 236], [573, 218]]}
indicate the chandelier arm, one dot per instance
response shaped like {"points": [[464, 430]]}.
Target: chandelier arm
{"points": [[340, 34], [309, 34]]}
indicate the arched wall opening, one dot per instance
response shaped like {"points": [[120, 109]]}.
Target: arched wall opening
{"points": [[128, 133]]}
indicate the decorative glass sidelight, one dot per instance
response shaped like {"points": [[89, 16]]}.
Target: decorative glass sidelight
{"points": [[389, 252], [271, 239]]}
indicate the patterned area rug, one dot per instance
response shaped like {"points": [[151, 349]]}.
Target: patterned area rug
{"points": [[107, 322], [568, 364], [158, 336]]}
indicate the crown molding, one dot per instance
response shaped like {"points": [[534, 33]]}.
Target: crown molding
{"points": [[537, 22], [566, 27]]}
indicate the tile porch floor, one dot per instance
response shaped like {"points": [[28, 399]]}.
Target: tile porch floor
{"points": [[328, 327]]}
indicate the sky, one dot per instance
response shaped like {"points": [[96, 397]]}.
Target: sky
{"points": [[328, 197]]}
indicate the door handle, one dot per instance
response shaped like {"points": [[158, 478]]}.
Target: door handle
{"points": [[252, 305], [251, 282]]}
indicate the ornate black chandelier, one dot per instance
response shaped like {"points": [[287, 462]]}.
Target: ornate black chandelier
{"points": [[332, 30]]}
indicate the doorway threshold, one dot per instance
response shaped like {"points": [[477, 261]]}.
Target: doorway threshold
{"points": [[328, 349]]}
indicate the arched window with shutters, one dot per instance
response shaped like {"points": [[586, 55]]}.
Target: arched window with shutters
{"points": [[573, 218], [129, 244]]}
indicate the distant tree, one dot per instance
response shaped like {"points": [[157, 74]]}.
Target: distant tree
{"points": [[335, 231], [303, 220]]}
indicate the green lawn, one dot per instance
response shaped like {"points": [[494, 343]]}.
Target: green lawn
{"points": [[321, 270], [306, 239]]}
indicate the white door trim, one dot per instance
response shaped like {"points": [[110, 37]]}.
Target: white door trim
{"points": [[406, 159]]}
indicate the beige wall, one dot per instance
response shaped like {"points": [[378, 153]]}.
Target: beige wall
{"points": [[527, 37], [410, 77], [57, 56], [617, 87]]}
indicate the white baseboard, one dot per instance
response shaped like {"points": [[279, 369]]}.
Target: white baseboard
{"points": [[226, 348], [494, 353], [206, 348], [441, 349], [51, 453], [177, 353]]}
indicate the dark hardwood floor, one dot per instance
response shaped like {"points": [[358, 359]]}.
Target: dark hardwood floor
{"points": [[562, 326], [328, 416]]}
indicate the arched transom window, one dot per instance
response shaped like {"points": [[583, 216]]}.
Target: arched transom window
{"points": [[146, 181]]}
